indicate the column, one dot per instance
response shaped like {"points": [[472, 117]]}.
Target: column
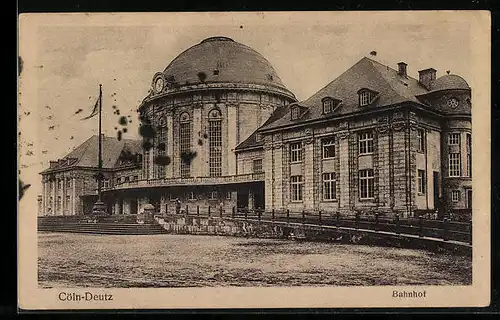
{"points": [[383, 169], [250, 199], [73, 196], [308, 175], [126, 206], [343, 178], [278, 176], [268, 176], [54, 195], [231, 138], [63, 196], [44, 197], [197, 135], [163, 200]]}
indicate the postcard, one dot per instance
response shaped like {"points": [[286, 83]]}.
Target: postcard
{"points": [[254, 160]]}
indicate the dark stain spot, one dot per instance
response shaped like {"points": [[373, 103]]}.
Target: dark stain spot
{"points": [[205, 136], [123, 121], [20, 63], [202, 76], [128, 157], [78, 111], [27, 113], [51, 128], [47, 107], [22, 188], [241, 27], [124, 130], [71, 138], [147, 131], [114, 79], [187, 157], [29, 153], [161, 146], [116, 128], [162, 160], [200, 142], [119, 135], [130, 121], [114, 107], [147, 145]]}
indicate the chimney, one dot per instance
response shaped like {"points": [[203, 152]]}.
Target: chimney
{"points": [[402, 69], [425, 77]]}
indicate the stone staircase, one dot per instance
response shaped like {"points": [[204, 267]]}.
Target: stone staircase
{"points": [[115, 225]]}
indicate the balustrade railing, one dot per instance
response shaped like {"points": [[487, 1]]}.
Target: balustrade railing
{"points": [[444, 229], [249, 177]]}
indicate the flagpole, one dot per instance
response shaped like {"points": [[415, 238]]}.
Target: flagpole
{"points": [[99, 207], [99, 165]]}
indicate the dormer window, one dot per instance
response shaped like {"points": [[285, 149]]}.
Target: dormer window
{"points": [[329, 105], [295, 112], [366, 97], [258, 137]]}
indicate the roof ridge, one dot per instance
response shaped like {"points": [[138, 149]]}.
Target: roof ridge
{"points": [[387, 66], [334, 80]]}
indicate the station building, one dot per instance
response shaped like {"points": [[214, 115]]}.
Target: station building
{"points": [[225, 132]]}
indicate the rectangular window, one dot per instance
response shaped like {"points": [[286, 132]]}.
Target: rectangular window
{"points": [[469, 155], [364, 98], [214, 195], [421, 181], [68, 203], [118, 180], [296, 188], [328, 106], [328, 146], [228, 195], [454, 139], [366, 184], [59, 203], [296, 152], [136, 178], [329, 186], [127, 179], [295, 113], [366, 142], [215, 144], [455, 195], [257, 166], [191, 196], [454, 165], [106, 183], [420, 140], [185, 147]]}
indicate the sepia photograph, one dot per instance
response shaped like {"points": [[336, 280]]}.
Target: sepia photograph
{"points": [[258, 159]]}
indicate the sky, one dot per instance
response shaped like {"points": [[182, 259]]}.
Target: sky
{"points": [[66, 57]]}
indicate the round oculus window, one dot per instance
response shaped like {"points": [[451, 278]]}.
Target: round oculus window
{"points": [[452, 103], [158, 85]]}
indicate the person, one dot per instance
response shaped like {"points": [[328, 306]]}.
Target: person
{"points": [[177, 206]]}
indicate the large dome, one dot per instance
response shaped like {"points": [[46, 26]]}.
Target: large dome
{"points": [[221, 60], [448, 82]]}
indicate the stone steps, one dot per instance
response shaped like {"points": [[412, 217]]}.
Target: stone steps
{"points": [[101, 228]]}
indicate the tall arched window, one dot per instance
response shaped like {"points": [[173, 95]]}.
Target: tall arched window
{"points": [[185, 143], [215, 142], [161, 146]]}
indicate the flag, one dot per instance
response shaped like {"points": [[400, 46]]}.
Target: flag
{"points": [[96, 108]]}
